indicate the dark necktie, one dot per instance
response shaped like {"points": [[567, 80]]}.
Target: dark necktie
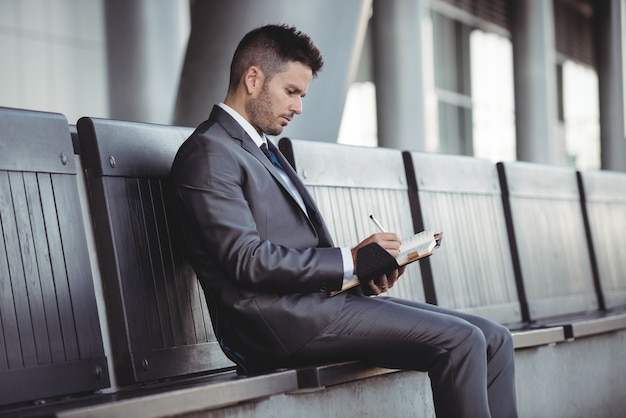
{"points": [[272, 157], [308, 202]]}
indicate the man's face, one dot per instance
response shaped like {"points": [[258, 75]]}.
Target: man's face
{"points": [[279, 99]]}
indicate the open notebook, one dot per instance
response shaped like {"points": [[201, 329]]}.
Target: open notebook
{"points": [[373, 260]]}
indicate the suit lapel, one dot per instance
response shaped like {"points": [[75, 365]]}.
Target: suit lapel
{"points": [[313, 213], [304, 193], [236, 131], [253, 149]]}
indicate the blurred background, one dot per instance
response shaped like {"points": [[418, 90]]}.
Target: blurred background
{"points": [[531, 80]]}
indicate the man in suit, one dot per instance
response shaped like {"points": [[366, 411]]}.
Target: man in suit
{"points": [[266, 260]]}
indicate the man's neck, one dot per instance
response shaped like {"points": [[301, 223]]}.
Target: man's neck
{"points": [[252, 133]]}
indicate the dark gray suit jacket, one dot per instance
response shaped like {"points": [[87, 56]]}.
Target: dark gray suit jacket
{"points": [[265, 267]]}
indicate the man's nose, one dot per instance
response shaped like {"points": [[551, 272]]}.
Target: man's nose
{"points": [[296, 106]]}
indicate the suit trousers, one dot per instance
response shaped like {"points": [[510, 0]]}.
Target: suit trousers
{"points": [[469, 359]]}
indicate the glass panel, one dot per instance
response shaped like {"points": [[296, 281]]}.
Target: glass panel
{"points": [[492, 96], [469, 90], [581, 117], [450, 57], [358, 123], [431, 124], [454, 123]]}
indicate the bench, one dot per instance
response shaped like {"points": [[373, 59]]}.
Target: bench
{"points": [[156, 310], [473, 271], [550, 249], [347, 194], [140, 253], [51, 343], [161, 341], [604, 207], [162, 347], [160, 323], [411, 194], [346, 201], [463, 197]]}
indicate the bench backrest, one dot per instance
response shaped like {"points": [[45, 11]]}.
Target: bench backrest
{"points": [[548, 238], [604, 194], [348, 184], [159, 321], [50, 342], [473, 270]]}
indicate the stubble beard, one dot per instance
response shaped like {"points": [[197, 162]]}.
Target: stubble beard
{"points": [[260, 111]]}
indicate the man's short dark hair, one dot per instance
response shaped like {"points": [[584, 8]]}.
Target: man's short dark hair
{"points": [[271, 48]]}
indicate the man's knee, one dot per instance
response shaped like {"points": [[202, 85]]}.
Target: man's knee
{"points": [[472, 340], [499, 338]]}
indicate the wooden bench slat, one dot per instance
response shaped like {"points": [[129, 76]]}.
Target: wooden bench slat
{"points": [[18, 242], [76, 263], [36, 264], [56, 292]]}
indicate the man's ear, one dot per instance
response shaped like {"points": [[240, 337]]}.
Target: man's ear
{"points": [[253, 79]]}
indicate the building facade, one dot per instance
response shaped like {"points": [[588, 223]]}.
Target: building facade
{"points": [[530, 80]]}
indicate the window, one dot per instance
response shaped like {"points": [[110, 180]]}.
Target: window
{"points": [[579, 117], [469, 90], [493, 96], [358, 123]]}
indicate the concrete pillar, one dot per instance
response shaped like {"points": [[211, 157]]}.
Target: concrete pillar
{"points": [[336, 27], [535, 82], [611, 84], [398, 76], [145, 44]]}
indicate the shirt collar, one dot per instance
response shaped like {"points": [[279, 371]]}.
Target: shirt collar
{"points": [[258, 139]]}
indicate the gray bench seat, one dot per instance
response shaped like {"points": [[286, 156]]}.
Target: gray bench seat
{"points": [[50, 337], [160, 324], [552, 256], [604, 206], [474, 270]]}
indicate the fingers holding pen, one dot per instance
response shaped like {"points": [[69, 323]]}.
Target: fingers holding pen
{"points": [[389, 241]]}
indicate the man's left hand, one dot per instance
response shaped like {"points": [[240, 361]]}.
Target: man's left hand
{"points": [[384, 282]]}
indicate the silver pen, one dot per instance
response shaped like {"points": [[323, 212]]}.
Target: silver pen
{"points": [[380, 227]]}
